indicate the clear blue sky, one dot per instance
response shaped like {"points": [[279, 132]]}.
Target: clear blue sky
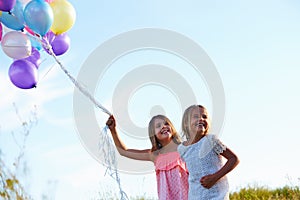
{"points": [[255, 46]]}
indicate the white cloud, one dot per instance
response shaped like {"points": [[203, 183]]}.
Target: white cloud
{"points": [[48, 89]]}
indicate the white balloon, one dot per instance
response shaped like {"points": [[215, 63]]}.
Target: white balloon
{"points": [[16, 45], [24, 2]]}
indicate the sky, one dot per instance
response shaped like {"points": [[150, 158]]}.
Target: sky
{"points": [[255, 48]]}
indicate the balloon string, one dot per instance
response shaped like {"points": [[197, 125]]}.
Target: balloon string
{"points": [[75, 82], [106, 146], [109, 153]]}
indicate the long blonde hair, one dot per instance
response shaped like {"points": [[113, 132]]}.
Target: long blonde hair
{"points": [[186, 120], [151, 131]]}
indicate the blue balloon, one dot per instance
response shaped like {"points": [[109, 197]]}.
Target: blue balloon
{"points": [[38, 16], [15, 19], [34, 42]]}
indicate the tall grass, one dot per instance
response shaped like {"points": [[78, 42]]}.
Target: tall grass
{"points": [[247, 193], [264, 193]]}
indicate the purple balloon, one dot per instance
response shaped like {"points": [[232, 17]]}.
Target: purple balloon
{"points": [[49, 36], [47, 39], [7, 5], [34, 57], [60, 44], [23, 74]]}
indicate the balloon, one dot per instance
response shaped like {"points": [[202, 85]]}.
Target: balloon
{"points": [[7, 5], [24, 2], [35, 42], [59, 43], [38, 16], [34, 57], [0, 32], [23, 74], [50, 36], [64, 16], [16, 45], [29, 30], [48, 1], [14, 19]]}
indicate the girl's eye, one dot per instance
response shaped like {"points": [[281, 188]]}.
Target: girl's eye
{"points": [[204, 116], [196, 116]]}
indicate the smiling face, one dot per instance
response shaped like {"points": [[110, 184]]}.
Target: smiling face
{"points": [[162, 129], [199, 122], [195, 122], [162, 132]]}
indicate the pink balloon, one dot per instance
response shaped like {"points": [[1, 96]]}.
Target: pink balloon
{"points": [[23, 74], [0, 31], [48, 1], [16, 45]]}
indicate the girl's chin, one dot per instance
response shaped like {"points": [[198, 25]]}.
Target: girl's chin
{"points": [[201, 132]]}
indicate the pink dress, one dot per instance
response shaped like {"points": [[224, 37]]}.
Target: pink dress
{"points": [[172, 177]]}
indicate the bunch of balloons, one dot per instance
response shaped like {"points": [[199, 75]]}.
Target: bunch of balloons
{"points": [[34, 26]]}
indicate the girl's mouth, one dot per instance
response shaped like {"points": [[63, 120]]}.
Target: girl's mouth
{"points": [[165, 131], [201, 124]]}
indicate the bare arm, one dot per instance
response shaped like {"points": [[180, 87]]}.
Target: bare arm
{"points": [[136, 154], [232, 161]]}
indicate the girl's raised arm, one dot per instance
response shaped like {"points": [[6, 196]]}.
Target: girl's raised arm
{"points": [[136, 154]]}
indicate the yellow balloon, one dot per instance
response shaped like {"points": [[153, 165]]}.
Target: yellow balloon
{"points": [[64, 16], [0, 13]]}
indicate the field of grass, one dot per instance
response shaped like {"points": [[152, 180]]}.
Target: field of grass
{"points": [[248, 193], [264, 193]]}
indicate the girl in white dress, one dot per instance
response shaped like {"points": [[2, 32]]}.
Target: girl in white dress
{"points": [[203, 156]]}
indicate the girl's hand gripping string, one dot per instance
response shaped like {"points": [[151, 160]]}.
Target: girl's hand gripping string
{"points": [[111, 123]]}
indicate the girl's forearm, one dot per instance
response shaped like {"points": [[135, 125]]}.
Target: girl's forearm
{"points": [[231, 163]]}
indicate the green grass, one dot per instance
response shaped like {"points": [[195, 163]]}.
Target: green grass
{"points": [[247, 193], [264, 193]]}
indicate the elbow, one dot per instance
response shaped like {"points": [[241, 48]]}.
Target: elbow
{"points": [[236, 160], [122, 152]]}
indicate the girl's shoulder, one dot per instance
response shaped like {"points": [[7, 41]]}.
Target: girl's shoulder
{"points": [[216, 143], [182, 148]]}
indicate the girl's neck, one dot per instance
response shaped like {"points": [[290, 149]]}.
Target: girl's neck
{"points": [[194, 140], [170, 147]]}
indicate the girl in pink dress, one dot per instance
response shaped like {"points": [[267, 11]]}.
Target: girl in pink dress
{"points": [[171, 171]]}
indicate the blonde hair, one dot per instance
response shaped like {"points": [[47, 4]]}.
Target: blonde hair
{"points": [[186, 120], [151, 131]]}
